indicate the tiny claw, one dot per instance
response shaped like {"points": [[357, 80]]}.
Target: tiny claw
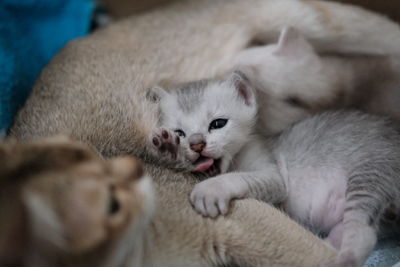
{"points": [[165, 134], [156, 142]]}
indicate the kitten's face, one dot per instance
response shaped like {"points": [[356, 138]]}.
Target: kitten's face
{"points": [[76, 208], [214, 120]]}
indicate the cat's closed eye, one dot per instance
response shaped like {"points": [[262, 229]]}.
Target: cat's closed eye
{"points": [[180, 133], [114, 205], [295, 101], [217, 124]]}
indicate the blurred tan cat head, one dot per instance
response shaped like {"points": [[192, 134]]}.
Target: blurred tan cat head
{"points": [[59, 198]]}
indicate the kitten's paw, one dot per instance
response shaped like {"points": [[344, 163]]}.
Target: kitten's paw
{"points": [[166, 143], [212, 196], [209, 198]]}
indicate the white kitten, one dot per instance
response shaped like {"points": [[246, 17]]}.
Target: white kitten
{"points": [[294, 81], [218, 129], [327, 172]]}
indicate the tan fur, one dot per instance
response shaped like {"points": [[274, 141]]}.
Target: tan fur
{"points": [[94, 91], [326, 13], [99, 82]]}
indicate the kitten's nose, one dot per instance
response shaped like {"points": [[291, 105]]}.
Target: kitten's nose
{"points": [[198, 147], [197, 142]]}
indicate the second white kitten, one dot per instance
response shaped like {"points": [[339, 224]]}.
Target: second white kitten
{"points": [[294, 81]]}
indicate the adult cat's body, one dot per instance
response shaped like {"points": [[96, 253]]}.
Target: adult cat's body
{"points": [[135, 54], [337, 173], [94, 91], [294, 81]]}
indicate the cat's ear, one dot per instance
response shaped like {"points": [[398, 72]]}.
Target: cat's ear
{"points": [[75, 225], [155, 94], [292, 43], [239, 81], [45, 226]]}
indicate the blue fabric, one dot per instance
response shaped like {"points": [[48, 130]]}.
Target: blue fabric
{"points": [[31, 32]]}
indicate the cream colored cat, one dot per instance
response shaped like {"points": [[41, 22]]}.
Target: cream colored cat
{"points": [[94, 90]]}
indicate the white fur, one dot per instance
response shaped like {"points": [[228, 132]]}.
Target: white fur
{"points": [[44, 222], [292, 68], [222, 143]]}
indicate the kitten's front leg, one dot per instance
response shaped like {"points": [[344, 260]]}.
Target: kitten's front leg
{"points": [[212, 196], [167, 148]]}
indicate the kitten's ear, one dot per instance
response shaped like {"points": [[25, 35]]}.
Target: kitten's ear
{"points": [[155, 94], [239, 81], [292, 43]]}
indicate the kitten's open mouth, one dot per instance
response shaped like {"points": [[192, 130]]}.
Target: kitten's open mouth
{"points": [[208, 165]]}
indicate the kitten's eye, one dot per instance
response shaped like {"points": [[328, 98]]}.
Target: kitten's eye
{"points": [[180, 133], [113, 206], [217, 124]]}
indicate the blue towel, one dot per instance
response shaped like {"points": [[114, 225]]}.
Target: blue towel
{"points": [[31, 33]]}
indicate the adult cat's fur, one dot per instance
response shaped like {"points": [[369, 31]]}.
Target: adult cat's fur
{"points": [[294, 81], [94, 91], [154, 48]]}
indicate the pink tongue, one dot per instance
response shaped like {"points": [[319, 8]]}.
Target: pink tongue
{"points": [[204, 165]]}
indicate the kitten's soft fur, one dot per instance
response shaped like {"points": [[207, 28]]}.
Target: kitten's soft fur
{"points": [[294, 81], [338, 173], [62, 205], [94, 90]]}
